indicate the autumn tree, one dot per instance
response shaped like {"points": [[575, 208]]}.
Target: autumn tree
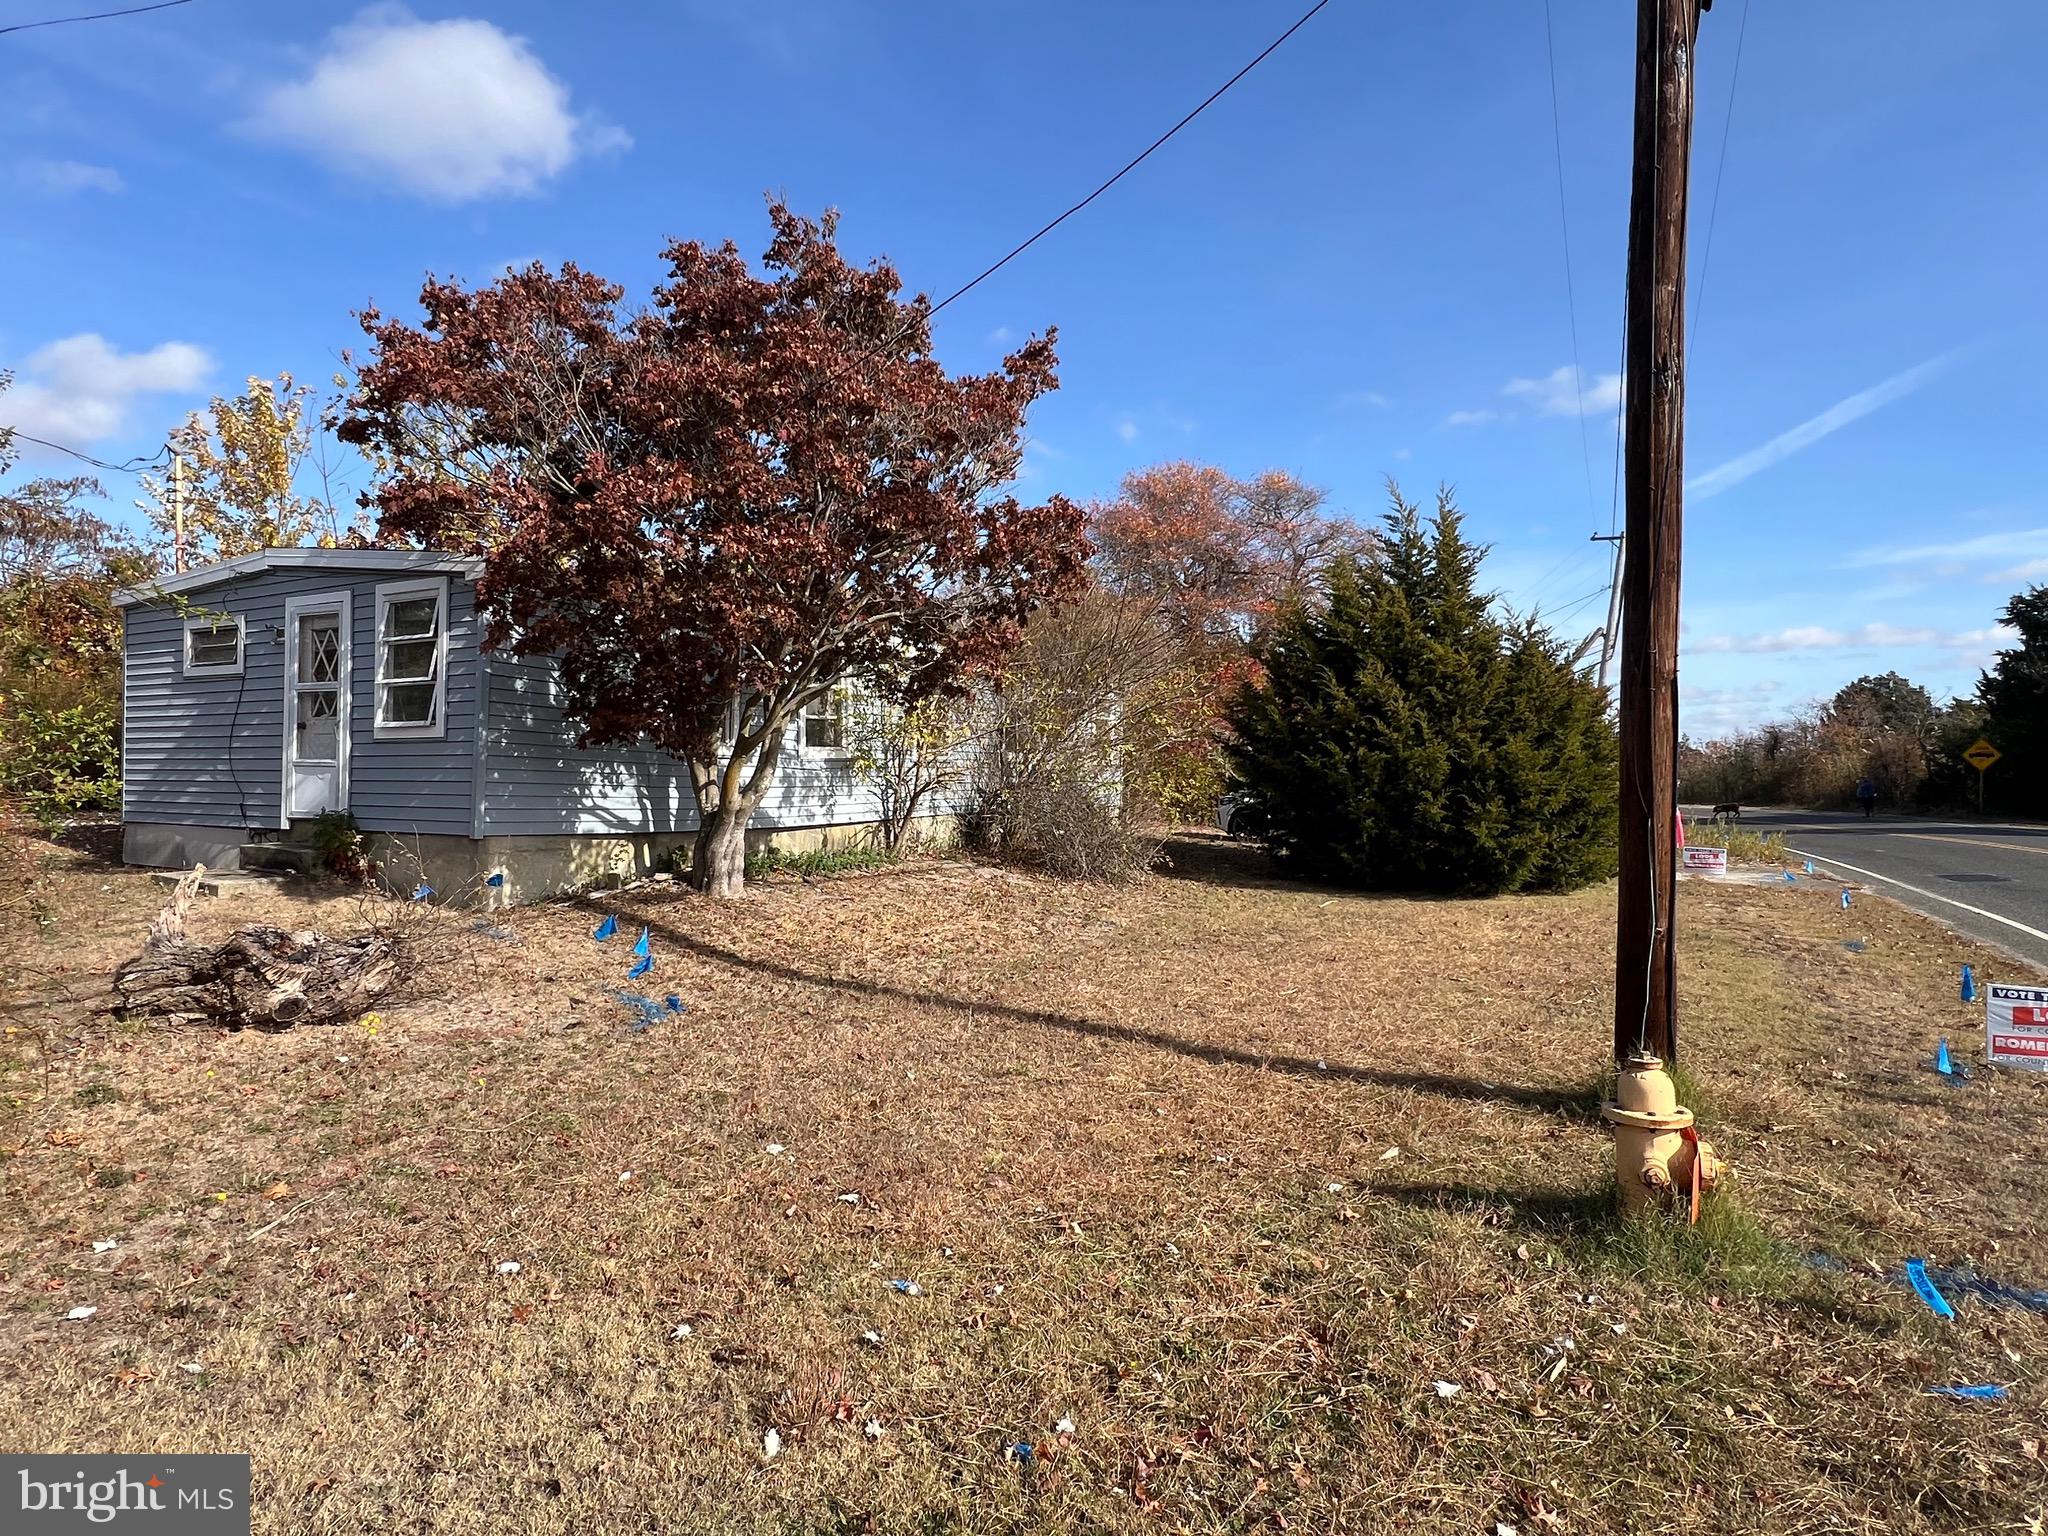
{"points": [[712, 511], [60, 642], [243, 463]]}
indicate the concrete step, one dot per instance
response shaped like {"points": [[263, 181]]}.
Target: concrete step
{"points": [[228, 883], [278, 858]]}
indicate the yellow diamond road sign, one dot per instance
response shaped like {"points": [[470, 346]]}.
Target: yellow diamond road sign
{"points": [[1981, 754]]}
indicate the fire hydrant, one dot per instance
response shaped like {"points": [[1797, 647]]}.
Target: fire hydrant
{"points": [[1656, 1151]]}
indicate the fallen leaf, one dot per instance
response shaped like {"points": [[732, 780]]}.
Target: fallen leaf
{"points": [[278, 1191]]}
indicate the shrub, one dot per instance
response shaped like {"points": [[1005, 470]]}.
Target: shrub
{"points": [[339, 849], [1404, 738], [58, 759]]}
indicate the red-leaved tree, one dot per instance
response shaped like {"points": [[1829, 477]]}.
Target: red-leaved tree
{"points": [[714, 510]]}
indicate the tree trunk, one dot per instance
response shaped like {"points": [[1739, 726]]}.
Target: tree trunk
{"points": [[718, 863]]}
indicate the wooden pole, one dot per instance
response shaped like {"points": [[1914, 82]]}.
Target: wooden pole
{"points": [[178, 511], [1645, 983]]}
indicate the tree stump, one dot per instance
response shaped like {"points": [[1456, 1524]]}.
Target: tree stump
{"points": [[259, 976]]}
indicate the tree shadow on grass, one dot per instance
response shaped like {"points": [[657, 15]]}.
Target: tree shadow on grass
{"points": [[1578, 1102]]}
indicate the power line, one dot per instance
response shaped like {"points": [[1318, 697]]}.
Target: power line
{"points": [[1571, 301], [1699, 297], [134, 466], [1133, 164], [63, 21]]}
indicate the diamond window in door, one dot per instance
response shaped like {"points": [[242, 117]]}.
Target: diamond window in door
{"points": [[320, 649], [319, 725]]}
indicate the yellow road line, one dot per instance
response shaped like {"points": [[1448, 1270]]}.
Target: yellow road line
{"points": [[1974, 842]]}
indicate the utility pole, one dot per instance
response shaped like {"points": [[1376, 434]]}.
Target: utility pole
{"points": [[1611, 632], [178, 511], [1645, 990]]}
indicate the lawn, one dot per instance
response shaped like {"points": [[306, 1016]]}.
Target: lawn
{"points": [[1242, 1206]]}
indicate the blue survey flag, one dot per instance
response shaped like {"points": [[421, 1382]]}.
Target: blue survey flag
{"points": [[1942, 1064], [1916, 1276], [422, 891], [640, 968], [605, 929], [1969, 991], [497, 877], [1845, 901], [640, 945]]}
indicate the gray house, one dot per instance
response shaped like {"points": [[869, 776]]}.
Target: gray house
{"points": [[280, 686]]}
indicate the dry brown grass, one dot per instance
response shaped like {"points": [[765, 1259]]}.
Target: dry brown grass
{"points": [[1098, 1128]]}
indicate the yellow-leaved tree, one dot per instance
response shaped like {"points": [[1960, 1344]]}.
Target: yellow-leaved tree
{"points": [[242, 463]]}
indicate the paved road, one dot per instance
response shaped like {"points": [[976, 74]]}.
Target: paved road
{"points": [[1989, 879]]}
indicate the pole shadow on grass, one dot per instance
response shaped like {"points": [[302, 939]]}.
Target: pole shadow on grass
{"points": [[1577, 1102]]}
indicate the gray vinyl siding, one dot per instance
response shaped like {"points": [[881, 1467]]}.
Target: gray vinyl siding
{"points": [[537, 782], [209, 751]]}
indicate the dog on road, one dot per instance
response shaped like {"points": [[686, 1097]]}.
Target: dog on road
{"points": [[1727, 813]]}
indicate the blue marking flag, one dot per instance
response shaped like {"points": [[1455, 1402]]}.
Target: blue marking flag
{"points": [[1845, 901], [1983, 1394], [1916, 1276], [640, 945], [673, 1003], [1969, 991], [605, 929], [1809, 866], [640, 968], [1942, 1064], [1020, 1452], [497, 878], [423, 892], [1790, 878]]}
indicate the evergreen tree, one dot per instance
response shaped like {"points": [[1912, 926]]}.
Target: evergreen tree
{"points": [[2014, 694], [1402, 737]]}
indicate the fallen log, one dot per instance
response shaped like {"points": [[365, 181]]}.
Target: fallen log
{"points": [[258, 976]]}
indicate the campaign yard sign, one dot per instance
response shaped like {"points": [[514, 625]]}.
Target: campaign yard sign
{"points": [[2016, 1027], [1696, 860]]}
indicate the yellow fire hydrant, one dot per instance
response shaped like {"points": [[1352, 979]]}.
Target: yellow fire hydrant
{"points": [[1656, 1151]]}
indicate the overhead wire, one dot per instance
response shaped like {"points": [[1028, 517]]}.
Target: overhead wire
{"points": [[1130, 165], [1699, 297], [65, 21], [1565, 227], [134, 466]]}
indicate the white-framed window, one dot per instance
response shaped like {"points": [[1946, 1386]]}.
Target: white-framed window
{"points": [[412, 658], [825, 722], [213, 645]]}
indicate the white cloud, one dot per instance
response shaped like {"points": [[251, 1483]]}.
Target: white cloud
{"points": [[1377, 399], [1469, 418], [2033, 570], [1403, 455], [1127, 429], [449, 111], [62, 178], [1958, 552], [1561, 393], [1812, 430], [78, 390], [1814, 637], [1001, 336]]}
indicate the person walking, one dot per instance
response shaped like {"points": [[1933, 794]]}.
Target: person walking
{"points": [[1866, 796]]}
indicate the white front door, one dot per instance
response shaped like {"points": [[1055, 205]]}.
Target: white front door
{"points": [[316, 706]]}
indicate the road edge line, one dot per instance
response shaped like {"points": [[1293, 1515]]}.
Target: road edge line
{"points": [[1962, 906]]}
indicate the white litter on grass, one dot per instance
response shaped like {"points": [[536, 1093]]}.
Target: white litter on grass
{"points": [[1064, 1427], [906, 1287], [1448, 1389], [342, 1059], [1334, 1187], [874, 1430], [626, 1177], [191, 1367], [1619, 1328], [1172, 1251], [1502, 1528], [1322, 1065], [872, 1338], [775, 1149], [80, 1314], [680, 1331], [850, 1199], [509, 1267], [771, 1445], [105, 1244], [1390, 1154]]}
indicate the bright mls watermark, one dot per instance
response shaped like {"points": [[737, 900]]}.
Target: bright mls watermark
{"points": [[161, 1495]]}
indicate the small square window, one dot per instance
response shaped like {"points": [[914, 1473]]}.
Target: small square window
{"points": [[213, 645]]}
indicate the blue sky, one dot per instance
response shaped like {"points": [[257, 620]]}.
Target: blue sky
{"points": [[1350, 267]]}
